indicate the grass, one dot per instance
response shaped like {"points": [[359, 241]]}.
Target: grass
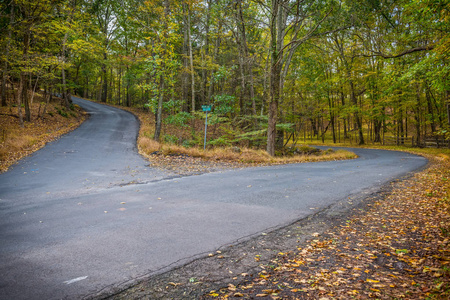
{"points": [[243, 155]]}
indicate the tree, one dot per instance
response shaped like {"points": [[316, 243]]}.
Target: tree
{"points": [[291, 23]]}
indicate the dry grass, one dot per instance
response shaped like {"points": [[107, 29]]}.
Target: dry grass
{"points": [[148, 146], [17, 142]]}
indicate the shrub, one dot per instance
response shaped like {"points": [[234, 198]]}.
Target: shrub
{"points": [[171, 139]]}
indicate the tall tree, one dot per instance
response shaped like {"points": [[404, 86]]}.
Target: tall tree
{"points": [[291, 23]]}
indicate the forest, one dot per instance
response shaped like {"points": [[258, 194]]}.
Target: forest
{"points": [[274, 71]]}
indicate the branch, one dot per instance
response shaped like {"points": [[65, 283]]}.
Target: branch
{"points": [[307, 36], [10, 115], [408, 51]]}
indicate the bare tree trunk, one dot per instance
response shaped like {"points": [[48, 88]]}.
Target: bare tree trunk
{"points": [[448, 106], [158, 117], [211, 83], [206, 53], [356, 113], [242, 93], [34, 89], [128, 90], [104, 79], [47, 100], [191, 61], [8, 45], [274, 85], [330, 105], [65, 94], [19, 101], [23, 77], [185, 58]]}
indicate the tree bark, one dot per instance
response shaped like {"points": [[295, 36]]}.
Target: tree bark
{"points": [[65, 93], [5, 65], [104, 78], [185, 58], [158, 117], [351, 84], [191, 60], [24, 76], [19, 101], [448, 107], [274, 85]]}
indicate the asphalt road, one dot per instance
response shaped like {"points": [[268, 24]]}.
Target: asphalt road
{"points": [[86, 214]]}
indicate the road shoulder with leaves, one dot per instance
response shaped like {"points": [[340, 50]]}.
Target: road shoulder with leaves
{"points": [[392, 244]]}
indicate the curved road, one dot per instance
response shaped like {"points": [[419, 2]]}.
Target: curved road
{"points": [[86, 213]]}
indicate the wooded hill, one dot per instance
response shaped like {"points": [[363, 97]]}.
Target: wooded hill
{"points": [[272, 69]]}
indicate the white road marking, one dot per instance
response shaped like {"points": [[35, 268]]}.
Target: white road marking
{"points": [[75, 280]]}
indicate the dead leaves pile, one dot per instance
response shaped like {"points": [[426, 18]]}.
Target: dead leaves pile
{"points": [[397, 249], [186, 165]]}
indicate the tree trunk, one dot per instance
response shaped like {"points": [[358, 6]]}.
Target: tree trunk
{"points": [[5, 65], [158, 119], [211, 82], [191, 61], [330, 105], [19, 100], [185, 58], [65, 93], [448, 107], [274, 85], [206, 100], [104, 78], [23, 76], [128, 89]]}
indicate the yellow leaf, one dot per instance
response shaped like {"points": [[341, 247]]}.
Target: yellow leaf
{"points": [[174, 284], [371, 280]]}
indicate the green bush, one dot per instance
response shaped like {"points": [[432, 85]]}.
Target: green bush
{"points": [[221, 141], [63, 113], [171, 139], [180, 119], [189, 143]]}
